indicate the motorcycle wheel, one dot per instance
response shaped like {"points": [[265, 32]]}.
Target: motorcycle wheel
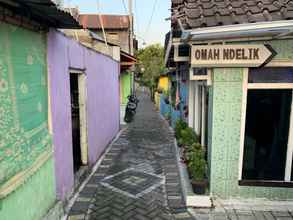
{"points": [[128, 117]]}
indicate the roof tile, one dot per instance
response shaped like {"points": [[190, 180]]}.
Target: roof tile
{"points": [[201, 13]]}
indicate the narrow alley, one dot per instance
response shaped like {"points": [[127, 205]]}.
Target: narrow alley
{"points": [[146, 110], [138, 178]]}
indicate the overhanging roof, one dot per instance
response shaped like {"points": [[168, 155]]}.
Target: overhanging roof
{"points": [[126, 60], [44, 12], [276, 29]]}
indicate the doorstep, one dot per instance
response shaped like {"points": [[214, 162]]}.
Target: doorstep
{"points": [[191, 199], [258, 204]]}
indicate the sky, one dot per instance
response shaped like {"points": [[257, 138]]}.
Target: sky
{"points": [[142, 10]]}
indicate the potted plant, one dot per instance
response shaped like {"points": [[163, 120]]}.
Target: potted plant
{"points": [[197, 167], [180, 125], [187, 137]]}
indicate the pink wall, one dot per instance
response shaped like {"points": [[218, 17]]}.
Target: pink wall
{"points": [[102, 79]]}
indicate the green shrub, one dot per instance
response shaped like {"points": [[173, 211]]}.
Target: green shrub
{"points": [[196, 162], [180, 125], [187, 137]]}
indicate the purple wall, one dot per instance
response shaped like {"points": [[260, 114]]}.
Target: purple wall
{"points": [[102, 103]]}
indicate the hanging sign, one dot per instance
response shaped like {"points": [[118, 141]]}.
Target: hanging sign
{"points": [[231, 55]]}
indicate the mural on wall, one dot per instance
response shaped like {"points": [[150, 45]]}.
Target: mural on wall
{"points": [[24, 138]]}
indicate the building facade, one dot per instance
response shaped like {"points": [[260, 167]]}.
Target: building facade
{"points": [[240, 92], [26, 152], [25, 135], [116, 27], [163, 87], [117, 30], [84, 85]]}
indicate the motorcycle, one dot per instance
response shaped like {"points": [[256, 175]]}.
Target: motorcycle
{"points": [[131, 108]]}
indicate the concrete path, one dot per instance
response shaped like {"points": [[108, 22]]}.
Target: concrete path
{"points": [[138, 178]]}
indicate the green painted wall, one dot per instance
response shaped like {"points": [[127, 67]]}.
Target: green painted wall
{"points": [[25, 142], [125, 86], [224, 133], [32, 200]]}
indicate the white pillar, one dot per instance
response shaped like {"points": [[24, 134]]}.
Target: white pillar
{"points": [[191, 103], [203, 117], [197, 109], [289, 149]]}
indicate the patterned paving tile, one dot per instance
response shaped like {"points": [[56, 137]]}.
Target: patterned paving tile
{"points": [[137, 178], [133, 183]]}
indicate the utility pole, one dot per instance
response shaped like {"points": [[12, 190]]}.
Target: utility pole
{"points": [[130, 8], [131, 26]]}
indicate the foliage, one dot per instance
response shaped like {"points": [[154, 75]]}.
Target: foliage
{"points": [[187, 137], [180, 125], [196, 162], [173, 94], [151, 65]]}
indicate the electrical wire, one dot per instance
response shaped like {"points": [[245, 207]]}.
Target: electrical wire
{"points": [[102, 24], [151, 18], [136, 16], [71, 13], [125, 8]]}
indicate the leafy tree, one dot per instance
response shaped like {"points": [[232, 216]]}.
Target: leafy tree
{"points": [[150, 65]]}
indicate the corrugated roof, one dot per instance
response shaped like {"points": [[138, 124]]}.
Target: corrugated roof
{"points": [[42, 11], [208, 13], [109, 21]]}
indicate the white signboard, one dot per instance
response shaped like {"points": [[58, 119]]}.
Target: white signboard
{"points": [[231, 55]]}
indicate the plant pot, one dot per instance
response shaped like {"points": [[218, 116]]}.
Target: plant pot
{"points": [[199, 186]]}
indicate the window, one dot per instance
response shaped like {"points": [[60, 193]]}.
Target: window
{"points": [[270, 75], [200, 74], [267, 141], [266, 134]]}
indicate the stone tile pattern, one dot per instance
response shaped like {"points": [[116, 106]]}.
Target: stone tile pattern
{"points": [[226, 110], [138, 178], [208, 13]]}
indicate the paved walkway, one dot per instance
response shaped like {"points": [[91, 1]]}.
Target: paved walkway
{"points": [[138, 178]]}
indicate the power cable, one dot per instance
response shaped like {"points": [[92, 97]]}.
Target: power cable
{"points": [[71, 13], [136, 17], [124, 5], [102, 24], [151, 18]]}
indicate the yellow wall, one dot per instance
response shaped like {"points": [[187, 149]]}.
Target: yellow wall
{"points": [[164, 83]]}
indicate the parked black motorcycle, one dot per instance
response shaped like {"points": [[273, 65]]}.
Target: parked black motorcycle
{"points": [[130, 108]]}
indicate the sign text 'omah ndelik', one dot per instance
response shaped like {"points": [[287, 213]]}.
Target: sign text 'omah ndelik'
{"points": [[231, 55]]}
